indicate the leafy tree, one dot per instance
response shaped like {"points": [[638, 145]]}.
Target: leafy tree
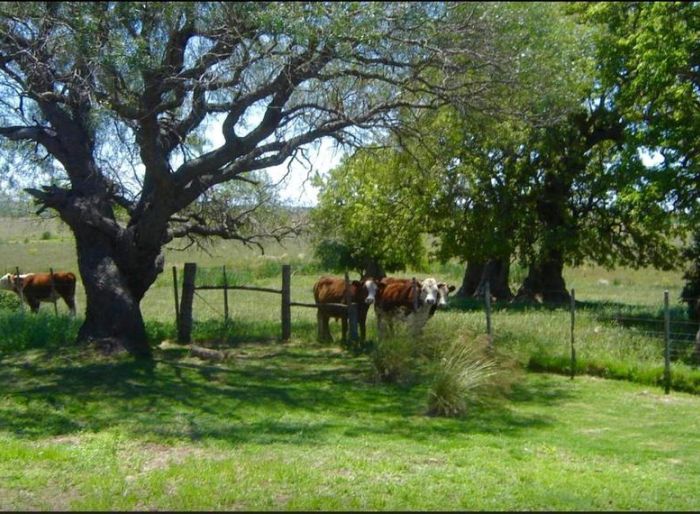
{"points": [[649, 55], [110, 103], [416, 182]]}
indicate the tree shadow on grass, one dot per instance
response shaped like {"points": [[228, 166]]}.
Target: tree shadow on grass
{"points": [[299, 395]]}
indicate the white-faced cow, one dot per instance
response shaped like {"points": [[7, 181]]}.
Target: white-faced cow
{"points": [[329, 290], [34, 288], [398, 300]]}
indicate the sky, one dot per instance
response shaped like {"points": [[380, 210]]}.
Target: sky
{"points": [[296, 188]]}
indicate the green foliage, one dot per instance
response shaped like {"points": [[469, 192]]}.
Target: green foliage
{"points": [[9, 301], [23, 331], [365, 207], [394, 359], [335, 256], [691, 290]]}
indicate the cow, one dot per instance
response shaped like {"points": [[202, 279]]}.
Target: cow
{"points": [[35, 288], [398, 301], [444, 291], [332, 290]]}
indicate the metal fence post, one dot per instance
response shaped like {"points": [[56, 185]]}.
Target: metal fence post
{"points": [[351, 314], [667, 345], [573, 320], [225, 296], [19, 285], [487, 299]]}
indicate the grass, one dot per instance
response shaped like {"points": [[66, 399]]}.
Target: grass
{"points": [[304, 426]]}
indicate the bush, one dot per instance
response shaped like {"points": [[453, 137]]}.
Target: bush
{"points": [[461, 373]]}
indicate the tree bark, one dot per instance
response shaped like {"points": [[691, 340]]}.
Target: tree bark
{"points": [[374, 269], [495, 271], [114, 287], [545, 281]]}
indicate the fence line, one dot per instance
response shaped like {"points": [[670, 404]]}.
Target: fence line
{"points": [[687, 339], [183, 310]]}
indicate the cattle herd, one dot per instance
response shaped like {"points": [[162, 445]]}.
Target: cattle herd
{"points": [[395, 299]]}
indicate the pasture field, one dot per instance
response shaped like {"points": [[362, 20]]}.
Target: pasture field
{"points": [[304, 426], [300, 426]]}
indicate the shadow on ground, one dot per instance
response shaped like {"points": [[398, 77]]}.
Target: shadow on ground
{"points": [[263, 393]]}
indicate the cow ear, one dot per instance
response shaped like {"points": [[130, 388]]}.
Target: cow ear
{"points": [[357, 283], [451, 288]]}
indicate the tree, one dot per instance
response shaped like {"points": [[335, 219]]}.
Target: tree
{"points": [[432, 179], [91, 91], [649, 60], [552, 179]]}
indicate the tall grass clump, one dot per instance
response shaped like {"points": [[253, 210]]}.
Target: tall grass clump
{"points": [[463, 372]]}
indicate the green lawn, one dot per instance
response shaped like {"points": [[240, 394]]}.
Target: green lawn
{"points": [[303, 427]]}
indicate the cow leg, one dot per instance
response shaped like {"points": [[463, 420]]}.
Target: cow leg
{"points": [[70, 302], [362, 322], [344, 325], [33, 304], [324, 332]]}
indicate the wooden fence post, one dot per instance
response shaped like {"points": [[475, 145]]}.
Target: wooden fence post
{"points": [[225, 297], [20, 286], [177, 302], [487, 300], [184, 331], [667, 345], [286, 299], [573, 318], [53, 292], [351, 313]]}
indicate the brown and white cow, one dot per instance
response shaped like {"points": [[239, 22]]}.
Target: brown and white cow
{"points": [[34, 288], [444, 291], [397, 300], [332, 290]]}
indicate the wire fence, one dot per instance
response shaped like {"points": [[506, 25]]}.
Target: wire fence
{"points": [[677, 339]]}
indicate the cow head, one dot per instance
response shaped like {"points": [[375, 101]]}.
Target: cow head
{"points": [[444, 292], [429, 291], [7, 282], [370, 287]]}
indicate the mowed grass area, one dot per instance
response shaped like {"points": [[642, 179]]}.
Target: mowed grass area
{"points": [[304, 426]]}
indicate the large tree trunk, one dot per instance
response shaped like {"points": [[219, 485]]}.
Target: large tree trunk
{"points": [[373, 269], [472, 277], [115, 281], [545, 281], [495, 271]]}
